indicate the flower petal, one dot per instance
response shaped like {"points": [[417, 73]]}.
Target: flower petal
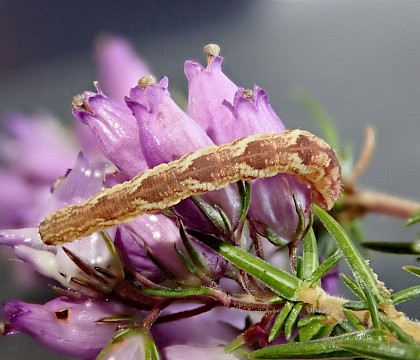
{"points": [[208, 88], [66, 325], [166, 132], [115, 129], [119, 66]]}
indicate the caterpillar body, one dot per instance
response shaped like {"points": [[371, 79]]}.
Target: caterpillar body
{"points": [[295, 152]]}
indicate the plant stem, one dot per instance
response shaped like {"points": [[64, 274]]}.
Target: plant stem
{"points": [[319, 301], [370, 201]]}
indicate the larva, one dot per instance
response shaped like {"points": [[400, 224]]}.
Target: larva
{"points": [[296, 152]]}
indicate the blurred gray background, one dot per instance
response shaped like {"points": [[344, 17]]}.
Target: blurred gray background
{"points": [[360, 59]]}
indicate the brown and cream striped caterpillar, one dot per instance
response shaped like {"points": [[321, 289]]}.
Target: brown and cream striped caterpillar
{"points": [[295, 152]]}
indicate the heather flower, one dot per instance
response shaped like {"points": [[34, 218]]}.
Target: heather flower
{"points": [[208, 89], [82, 181], [167, 133], [119, 66], [228, 113], [158, 235], [69, 326], [34, 153], [114, 128], [157, 284], [129, 345]]}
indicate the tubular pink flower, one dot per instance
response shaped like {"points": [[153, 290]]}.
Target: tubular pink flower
{"points": [[128, 346], [66, 325], [118, 65], [159, 235], [82, 181], [208, 88], [229, 113], [34, 152], [28, 147], [209, 330], [272, 200], [115, 130], [167, 133]]}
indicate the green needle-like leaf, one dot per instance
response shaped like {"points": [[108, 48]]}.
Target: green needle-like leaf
{"points": [[406, 248], [187, 262], [324, 268], [383, 350], [415, 270], [316, 349], [405, 295], [235, 344], [353, 320], [355, 260], [399, 333], [352, 285], [413, 219], [309, 319], [278, 325], [289, 326], [310, 254], [196, 258], [356, 305], [150, 349], [309, 331], [281, 282], [245, 195], [324, 331], [213, 214], [373, 306], [313, 327]]}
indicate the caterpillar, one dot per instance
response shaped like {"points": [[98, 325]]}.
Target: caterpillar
{"points": [[295, 152]]}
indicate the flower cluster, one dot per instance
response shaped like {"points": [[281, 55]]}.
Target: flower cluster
{"points": [[187, 280], [102, 273]]}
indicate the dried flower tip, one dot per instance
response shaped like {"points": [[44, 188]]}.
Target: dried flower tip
{"points": [[78, 103], [211, 50], [248, 94], [145, 81]]}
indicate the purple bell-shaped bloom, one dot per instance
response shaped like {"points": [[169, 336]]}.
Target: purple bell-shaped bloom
{"points": [[118, 65], [167, 133], [208, 88], [66, 325], [115, 130], [229, 113]]}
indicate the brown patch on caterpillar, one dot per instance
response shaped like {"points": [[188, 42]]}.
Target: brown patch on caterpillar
{"points": [[295, 152]]}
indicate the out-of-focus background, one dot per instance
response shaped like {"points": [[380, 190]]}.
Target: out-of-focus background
{"points": [[359, 58]]}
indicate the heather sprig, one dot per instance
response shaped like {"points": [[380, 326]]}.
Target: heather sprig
{"points": [[243, 272]]}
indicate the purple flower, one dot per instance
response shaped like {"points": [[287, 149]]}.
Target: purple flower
{"points": [[115, 130], [34, 153], [119, 66], [229, 113], [207, 334], [66, 325], [83, 181], [167, 133], [147, 262], [130, 344], [159, 235], [208, 88]]}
